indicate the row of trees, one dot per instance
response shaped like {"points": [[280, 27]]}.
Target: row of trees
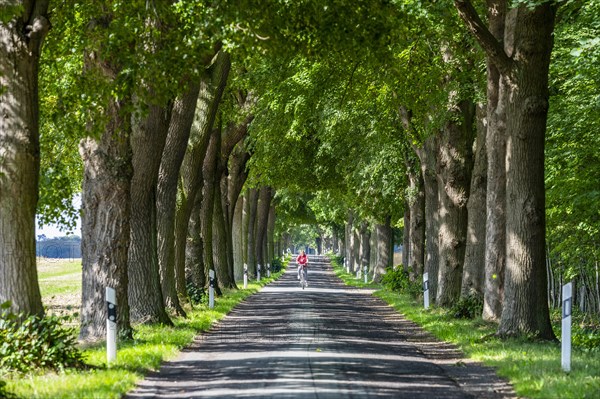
{"points": [[205, 131]]}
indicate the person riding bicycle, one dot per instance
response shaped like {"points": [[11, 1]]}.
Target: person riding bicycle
{"points": [[302, 261]]}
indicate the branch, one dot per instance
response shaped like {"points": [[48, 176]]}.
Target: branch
{"points": [[492, 47]]}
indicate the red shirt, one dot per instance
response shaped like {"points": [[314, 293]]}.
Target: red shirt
{"points": [[302, 259]]}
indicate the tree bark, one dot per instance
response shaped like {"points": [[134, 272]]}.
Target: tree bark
{"points": [[406, 237], [105, 229], [211, 90], [454, 171], [523, 61], [20, 45], [355, 249], [207, 209], [474, 268], [251, 240], [144, 291], [194, 249], [180, 124], [365, 246], [495, 234], [236, 231], [220, 242], [416, 253], [428, 159], [349, 239], [271, 231], [262, 218], [384, 248]]}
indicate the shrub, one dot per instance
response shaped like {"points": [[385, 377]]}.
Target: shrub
{"points": [[398, 279], [195, 294], [34, 342], [587, 338], [468, 307], [4, 393], [276, 265]]}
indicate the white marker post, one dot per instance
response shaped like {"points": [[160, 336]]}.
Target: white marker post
{"points": [[258, 272], [245, 276], [365, 269], [426, 290], [211, 289], [567, 305], [358, 273], [111, 325], [268, 270]]}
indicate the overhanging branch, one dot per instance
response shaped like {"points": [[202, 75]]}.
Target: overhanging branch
{"points": [[492, 47]]}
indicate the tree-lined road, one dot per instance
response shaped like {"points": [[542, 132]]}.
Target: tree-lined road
{"points": [[327, 341]]}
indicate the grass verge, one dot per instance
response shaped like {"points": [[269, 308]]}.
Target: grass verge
{"points": [[533, 368], [152, 344]]}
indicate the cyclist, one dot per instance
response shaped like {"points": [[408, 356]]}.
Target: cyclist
{"points": [[302, 261]]}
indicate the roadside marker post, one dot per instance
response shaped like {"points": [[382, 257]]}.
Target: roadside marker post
{"points": [[567, 306], [111, 325], [258, 272], [426, 290], [268, 270], [211, 289], [245, 276], [365, 269]]}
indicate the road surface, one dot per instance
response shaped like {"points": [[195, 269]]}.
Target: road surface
{"points": [[328, 341]]}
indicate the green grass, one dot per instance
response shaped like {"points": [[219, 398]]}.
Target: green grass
{"points": [[59, 277], [152, 344], [533, 368]]}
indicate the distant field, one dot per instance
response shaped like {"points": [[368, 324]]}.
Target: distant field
{"points": [[60, 284]]}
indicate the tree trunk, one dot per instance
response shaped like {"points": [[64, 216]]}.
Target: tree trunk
{"points": [[251, 240], [523, 61], [144, 291], [406, 237], [182, 117], [220, 242], [212, 85], [271, 232], [384, 248], [356, 250], [474, 268], [365, 246], [207, 209], [416, 253], [105, 229], [262, 218], [525, 305], [236, 232], [349, 239], [20, 44], [245, 214], [428, 159], [454, 171], [194, 249], [495, 234]]}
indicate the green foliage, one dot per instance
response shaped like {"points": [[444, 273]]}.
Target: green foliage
{"points": [[276, 265], [397, 279], [586, 337], [467, 307], [196, 295], [33, 342], [4, 393]]}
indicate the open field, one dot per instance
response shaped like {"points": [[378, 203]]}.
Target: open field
{"points": [[60, 284]]}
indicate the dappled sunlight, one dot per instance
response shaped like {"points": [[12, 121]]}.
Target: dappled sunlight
{"points": [[329, 340]]}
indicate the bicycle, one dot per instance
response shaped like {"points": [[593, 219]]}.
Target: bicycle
{"points": [[303, 277]]}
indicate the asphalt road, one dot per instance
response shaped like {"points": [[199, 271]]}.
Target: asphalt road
{"points": [[327, 341]]}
